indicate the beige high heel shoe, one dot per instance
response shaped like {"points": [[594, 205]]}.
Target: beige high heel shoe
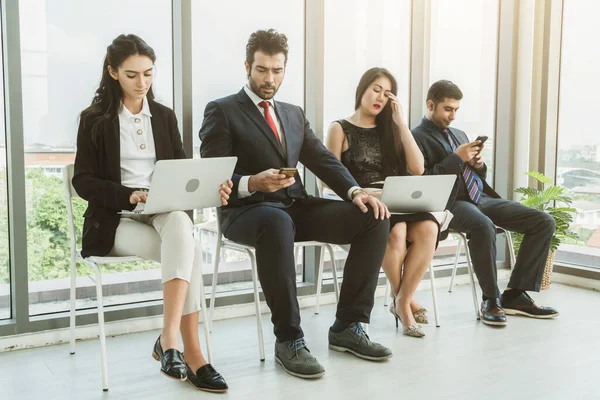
{"points": [[421, 316], [410, 330]]}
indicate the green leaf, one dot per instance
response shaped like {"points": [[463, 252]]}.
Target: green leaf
{"points": [[540, 177]]}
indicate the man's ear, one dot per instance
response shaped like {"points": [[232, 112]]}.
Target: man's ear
{"points": [[247, 68], [430, 105]]}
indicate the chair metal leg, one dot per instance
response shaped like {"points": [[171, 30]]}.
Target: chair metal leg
{"points": [[101, 326], [336, 287], [458, 248], [261, 343], [73, 298], [434, 295], [214, 282], [470, 268], [206, 322], [388, 289], [511, 249], [319, 280], [296, 252]]}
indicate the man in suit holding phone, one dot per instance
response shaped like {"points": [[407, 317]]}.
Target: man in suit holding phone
{"points": [[270, 209], [477, 210]]}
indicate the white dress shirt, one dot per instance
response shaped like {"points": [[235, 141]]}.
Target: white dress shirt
{"points": [[243, 184], [138, 155]]}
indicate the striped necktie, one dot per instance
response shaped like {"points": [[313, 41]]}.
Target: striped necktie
{"points": [[468, 173]]}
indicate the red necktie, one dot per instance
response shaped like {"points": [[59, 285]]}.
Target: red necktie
{"points": [[265, 105]]}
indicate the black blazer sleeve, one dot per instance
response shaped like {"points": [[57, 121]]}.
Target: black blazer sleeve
{"points": [[215, 135], [87, 179], [315, 156]]}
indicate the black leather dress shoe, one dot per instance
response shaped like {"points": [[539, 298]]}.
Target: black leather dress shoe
{"points": [[524, 305], [207, 378], [171, 362], [492, 313]]}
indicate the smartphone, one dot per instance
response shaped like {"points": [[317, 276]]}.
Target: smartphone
{"points": [[482, 138], [288, 172]]}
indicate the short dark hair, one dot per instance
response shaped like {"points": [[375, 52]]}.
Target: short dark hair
{"points": [[443, 89], [269, 42]]}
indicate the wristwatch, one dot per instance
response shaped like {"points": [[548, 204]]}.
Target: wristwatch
{"points": [[356, 192]]}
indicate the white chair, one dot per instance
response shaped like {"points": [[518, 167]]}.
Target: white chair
{"points": [[462, 242], [224, 243], [94, 263]]}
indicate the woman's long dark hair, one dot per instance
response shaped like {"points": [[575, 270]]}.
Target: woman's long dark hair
{"points": [[107, 99], [391, 144]]}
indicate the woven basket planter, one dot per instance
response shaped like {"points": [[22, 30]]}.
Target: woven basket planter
{"points": [[546, 279]]}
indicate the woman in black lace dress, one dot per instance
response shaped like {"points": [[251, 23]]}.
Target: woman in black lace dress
{"points": [[374, 143]]}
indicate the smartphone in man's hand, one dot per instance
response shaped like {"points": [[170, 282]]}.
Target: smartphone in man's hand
{"points": [[288, 172], [482, 138]]}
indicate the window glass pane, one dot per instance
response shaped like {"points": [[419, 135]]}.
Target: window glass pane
{"points": [[578, 159], [464, 35], [4, 248], [63, 43], [219, 52], [360, 35]]}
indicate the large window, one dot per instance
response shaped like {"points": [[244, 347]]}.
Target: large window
{"points": [[464, 36], [578, 160], [63, 44], [4, 248], [219, 37]]}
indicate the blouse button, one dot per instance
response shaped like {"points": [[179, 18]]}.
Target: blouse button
{"points": [[139, 131], [142, 146], [137, 120]]}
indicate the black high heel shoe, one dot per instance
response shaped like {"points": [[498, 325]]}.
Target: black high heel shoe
{"points": [[172, 364], [208, 379]]}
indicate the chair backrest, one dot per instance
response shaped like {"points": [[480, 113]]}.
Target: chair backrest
{"points": [[70, 194]]}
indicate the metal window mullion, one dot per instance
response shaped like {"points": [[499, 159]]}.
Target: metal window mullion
{"points": [[16, 166]]}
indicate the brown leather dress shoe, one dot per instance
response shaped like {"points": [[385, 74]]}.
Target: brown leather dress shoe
{"points": [[524, 305], [492, 313]]}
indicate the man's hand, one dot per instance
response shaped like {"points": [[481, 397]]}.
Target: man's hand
{"points": [[476, 162], [269, 181], [380, 210], [225, 191], [138, 196], [467, 151]]}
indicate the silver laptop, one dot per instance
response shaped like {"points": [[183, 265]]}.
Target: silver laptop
{"points": [[186, 185], [412, 194]]}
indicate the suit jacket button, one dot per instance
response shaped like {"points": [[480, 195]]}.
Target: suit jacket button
{"points": [[96, 225]]}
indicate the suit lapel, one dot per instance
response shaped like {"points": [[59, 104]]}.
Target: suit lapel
{"points": [[437, 135], [158, 133], [285, 126], [250, 109]]}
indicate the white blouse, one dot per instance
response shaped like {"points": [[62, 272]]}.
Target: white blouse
{"points": [[138, 155]]}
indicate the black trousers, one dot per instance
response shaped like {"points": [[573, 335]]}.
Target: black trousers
{"points": [[478, 222], [272, 231]]}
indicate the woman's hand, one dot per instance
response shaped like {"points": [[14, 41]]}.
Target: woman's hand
{"points": [[225, 191], [138, 196], [397, 111]]}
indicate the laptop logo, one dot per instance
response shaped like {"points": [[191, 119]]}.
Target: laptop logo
{"points": [[417, 194], [192, 185]]}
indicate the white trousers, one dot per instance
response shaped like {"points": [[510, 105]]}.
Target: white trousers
{"points": [[166, 238]]}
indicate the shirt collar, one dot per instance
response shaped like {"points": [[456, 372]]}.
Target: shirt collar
{"points": [[125, 113], [255, 98]]}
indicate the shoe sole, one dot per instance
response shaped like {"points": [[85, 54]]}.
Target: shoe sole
{"points": [[494, 323], [364, 357], [296, 374], [206, 389], [509, 311], [155, 356]]}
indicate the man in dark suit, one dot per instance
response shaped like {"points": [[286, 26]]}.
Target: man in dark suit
{"points": [[478, 209], [270, 211]]}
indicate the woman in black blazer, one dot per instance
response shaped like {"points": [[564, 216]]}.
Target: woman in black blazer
{"points": [[121, 136]]}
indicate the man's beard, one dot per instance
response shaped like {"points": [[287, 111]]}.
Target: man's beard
{"points": [[257, 90]]}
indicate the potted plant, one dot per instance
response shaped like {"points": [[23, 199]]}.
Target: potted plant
{"points": [[555, 201]]}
